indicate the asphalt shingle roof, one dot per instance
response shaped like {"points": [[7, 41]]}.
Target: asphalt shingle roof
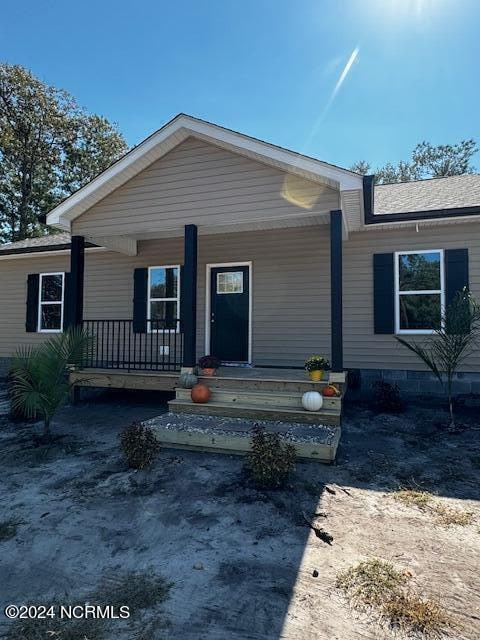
{"points": [[425, 195], [57, 239]]}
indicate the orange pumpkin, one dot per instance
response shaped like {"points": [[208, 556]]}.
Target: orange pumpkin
{"points": [[200, 393], [330, 391]]}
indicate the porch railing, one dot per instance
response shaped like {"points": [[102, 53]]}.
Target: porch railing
{"points": [[116, 346]]}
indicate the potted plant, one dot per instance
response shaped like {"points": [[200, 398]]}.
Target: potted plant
{"points": [[208, 365], [315, 366]]}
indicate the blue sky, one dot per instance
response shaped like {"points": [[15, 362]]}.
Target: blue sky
{"points": [[265, 67]]}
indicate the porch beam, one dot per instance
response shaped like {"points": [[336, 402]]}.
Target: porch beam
{"points": [[77, 269], [189, 297], [119, 244], [336, 293]]}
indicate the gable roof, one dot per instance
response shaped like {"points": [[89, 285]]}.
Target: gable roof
{"points": [[434, 194], [172, 134]]}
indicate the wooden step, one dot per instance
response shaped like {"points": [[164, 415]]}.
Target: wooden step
{"points": [[314, 442], [261, 399], [278, 413], [273, 385]]}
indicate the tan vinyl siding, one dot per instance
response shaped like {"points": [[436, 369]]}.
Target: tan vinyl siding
{"points": [[364, 349], [291, 288], [202, 184], [13, 297]]}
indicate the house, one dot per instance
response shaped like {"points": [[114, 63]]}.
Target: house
{"points": [[203, 240]]}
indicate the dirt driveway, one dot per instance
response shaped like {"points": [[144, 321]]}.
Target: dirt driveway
{"points": [[243, 564]]}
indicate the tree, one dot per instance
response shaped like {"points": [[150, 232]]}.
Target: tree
{"points": [[449, 346], [49, 147], [39, 382], [426, 161], [362, 167]]}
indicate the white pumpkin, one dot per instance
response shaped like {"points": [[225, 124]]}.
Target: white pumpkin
{"points": [[312, 401]]}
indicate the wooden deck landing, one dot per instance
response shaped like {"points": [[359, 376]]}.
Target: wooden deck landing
{"points": [[120, 379]]}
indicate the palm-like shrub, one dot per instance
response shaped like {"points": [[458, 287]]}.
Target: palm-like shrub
{"points": [[450, 345], [39, 382]]}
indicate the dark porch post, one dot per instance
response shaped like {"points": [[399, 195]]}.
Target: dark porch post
{"points": [[336, 294], [189, 297], [75, 293]]}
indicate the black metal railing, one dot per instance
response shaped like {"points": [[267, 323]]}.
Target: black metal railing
{"points": [[116, 346]]}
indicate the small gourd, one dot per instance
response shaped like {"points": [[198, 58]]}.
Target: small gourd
{"points": [[200, 393], [187, 380], [312, 401], [331, 391]]}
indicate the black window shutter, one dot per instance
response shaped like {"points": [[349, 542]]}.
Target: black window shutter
{"points": [[33, 281], [456, 272], [456, 277], [383, 293], [67, 304], [140, 283]]}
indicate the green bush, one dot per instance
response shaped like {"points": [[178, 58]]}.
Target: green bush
{"points": [[139, 445], [270, 460]]}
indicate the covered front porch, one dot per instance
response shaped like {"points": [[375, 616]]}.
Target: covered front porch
{"points": [[151, 353], [248, 313]]}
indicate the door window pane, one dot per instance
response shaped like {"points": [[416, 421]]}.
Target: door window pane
{"points": [[230, 282], [419, 271], [420, 311]]}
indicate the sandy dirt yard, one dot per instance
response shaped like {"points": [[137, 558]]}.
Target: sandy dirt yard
{"points": [[243, 564]]}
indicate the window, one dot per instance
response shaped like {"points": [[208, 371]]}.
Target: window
{"points": [[419, 291], [163, 298], [230, 282], [50, 302]]}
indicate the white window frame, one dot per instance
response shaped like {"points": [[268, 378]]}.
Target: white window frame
{"points": [[150, 299], [49, 302], [399, 293]]}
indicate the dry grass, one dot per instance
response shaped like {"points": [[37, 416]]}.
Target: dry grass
{"points": [[444, 515], [8, 529], [449, 515], [377, 585], [413, 498], [140, 591], [135, 590], [368, 582], [414, 614]]}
